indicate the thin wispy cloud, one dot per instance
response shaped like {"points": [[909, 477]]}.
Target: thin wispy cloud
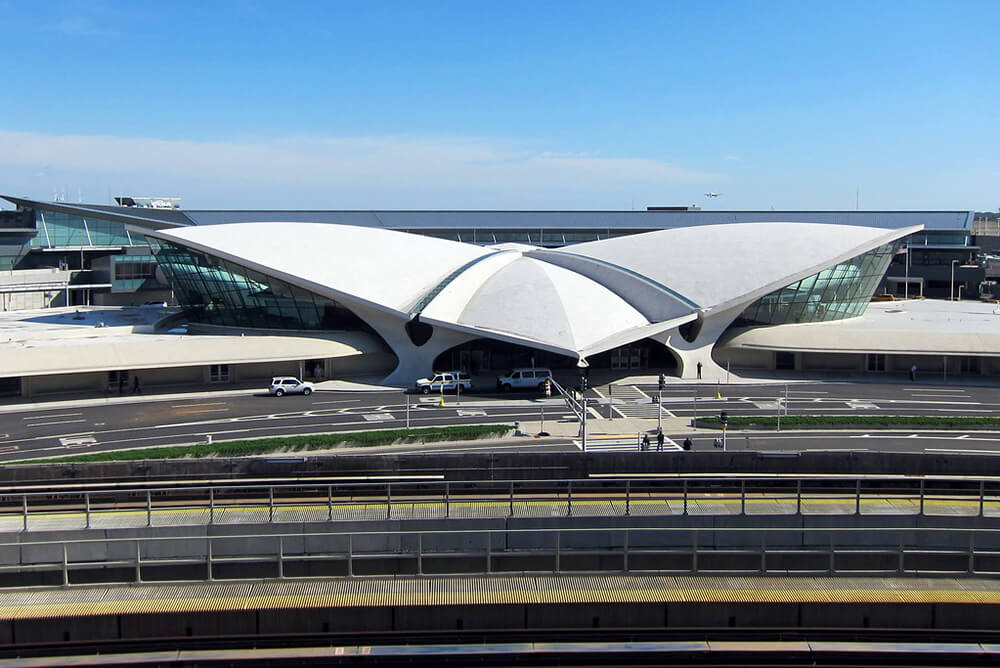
{"points": [[390, 165]]}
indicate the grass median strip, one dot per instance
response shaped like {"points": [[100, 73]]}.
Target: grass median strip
{"points": [[855, 421], [291, 444]]}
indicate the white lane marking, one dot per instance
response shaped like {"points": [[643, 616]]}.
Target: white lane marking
{"points": [[77, 442], [44, 424], [836, 450], [378, 417], [211, 410], [48, 416], [340, 401], [922, 395], [913, 436], [861, 405], [471, 413], [207, 403], [962, 436], [929, 389], [767, 405], [9, 448], [978, 452]]}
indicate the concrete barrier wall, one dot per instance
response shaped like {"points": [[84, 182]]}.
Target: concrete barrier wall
{"points": [[537, 617], [507, 466]]}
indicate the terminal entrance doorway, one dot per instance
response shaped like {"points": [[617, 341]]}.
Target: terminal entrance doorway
{"points": [[487, 356], [637, 356]]}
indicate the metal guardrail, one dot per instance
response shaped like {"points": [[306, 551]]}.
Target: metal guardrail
{"points": [[603, 496], [651, 550]]}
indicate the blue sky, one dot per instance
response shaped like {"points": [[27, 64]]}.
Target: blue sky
{"points": [[550, 105]]}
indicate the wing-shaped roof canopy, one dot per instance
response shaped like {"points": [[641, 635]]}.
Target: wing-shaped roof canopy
{"points": [[579, 299]]}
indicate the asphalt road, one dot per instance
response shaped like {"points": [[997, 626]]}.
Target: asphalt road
{"points": [[32, 431]]}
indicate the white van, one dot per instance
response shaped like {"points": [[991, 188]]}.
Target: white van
{"points": [[516, 379]]}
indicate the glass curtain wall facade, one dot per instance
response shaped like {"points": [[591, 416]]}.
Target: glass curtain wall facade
{"points": [[841, 291], [219, 292], [62, 229]]}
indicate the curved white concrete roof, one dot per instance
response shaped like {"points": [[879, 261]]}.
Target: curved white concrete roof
{"points": [[383, 267], [716, 265], [550, 304], [575, 299]]}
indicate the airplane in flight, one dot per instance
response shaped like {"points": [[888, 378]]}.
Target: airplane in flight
{"points": [[713, 194]]}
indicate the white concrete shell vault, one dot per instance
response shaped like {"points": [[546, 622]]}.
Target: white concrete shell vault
{"points": [[577, 300]]}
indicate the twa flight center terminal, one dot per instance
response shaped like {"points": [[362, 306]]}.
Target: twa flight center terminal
{"points": [[321, 299]]}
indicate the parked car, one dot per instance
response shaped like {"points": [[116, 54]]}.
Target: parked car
{"points": [[282, 385], [517, 379], [448, 381]]}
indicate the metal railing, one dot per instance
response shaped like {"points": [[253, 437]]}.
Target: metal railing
{"points": [[648, 550], [598, 496]]}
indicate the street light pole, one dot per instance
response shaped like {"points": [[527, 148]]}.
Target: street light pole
{"points": [[951, 294], [659, 411]]}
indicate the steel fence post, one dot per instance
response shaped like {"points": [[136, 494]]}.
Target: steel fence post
{"points": [[329, 503], [86, 507], [350, 555], [626, 550], [972, 553], [388, 500], [420, 554], [685, 497], [447, 498], [982, 497], [211, 505], [857, 496], [24, 511], [489, 551], [833, 566], [281, 557], [558, 550], [270, 504], [921, 496], [763, 552], [569, 499], [798, 496], [900, 568], [138, 561], [628, 498], [743, 497], [65, 567], [149, 508], [510, 500], [208, 558], [694, 551]]}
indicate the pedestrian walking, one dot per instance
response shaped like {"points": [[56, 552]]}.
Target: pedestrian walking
{"points": [[913, 372], [659, 440], [687, 442], [645, 443], [699, 370]]}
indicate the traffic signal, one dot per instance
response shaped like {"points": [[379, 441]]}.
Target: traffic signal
{"points": [[583, 383], [663, 382], [724, 418], [548, 387]]}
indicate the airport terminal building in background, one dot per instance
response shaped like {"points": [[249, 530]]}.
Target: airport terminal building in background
{"points": [[488, 290]]}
